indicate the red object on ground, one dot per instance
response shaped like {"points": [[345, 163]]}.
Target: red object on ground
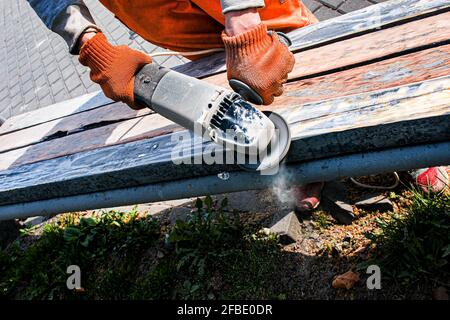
{"points": [[307, 197], [433, 179]]}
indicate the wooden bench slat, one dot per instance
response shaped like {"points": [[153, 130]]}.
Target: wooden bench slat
{"points": [[376, 125], [372, 18], [101, 116], [117, 133], [413, 67], [366, 48], [431, 63], [59, 110], [346, 26], [415, 101]]}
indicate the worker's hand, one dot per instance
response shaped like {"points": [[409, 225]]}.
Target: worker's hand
{"points": [[260, 60], [113, 67]]}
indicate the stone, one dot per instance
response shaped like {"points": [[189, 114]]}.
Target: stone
{"points": [[179, 214], [325, 13], [287, 226], [33, 221], [350, 6], [374, 202], [334, 4], [335, 201], [246, 201], [311, 4]]}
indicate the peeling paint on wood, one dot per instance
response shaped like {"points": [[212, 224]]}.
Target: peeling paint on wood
{"points": [[372, 18], [59, 110], [50, 130], [117, 133], [414, 67]]}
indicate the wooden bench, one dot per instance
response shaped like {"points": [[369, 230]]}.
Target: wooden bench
{"points": [[369, 94]]}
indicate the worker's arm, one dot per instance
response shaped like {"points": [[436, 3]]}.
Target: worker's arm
{"points": [[68, 18], [112, 67], [253, 56]]}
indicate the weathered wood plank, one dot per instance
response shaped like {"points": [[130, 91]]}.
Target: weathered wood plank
{"points": [[378, 123], [353, 24], [363, 49], [112, 113], [117, 133], [204, 67], [372, 18], [59, 110], [367, 48], [431, 63], [414, 67], [414, 101]]}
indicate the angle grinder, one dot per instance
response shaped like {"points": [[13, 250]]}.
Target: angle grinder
{"points": [[228, 119]]}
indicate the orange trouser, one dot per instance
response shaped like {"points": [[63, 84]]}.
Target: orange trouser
{"points": [[189, 25]]}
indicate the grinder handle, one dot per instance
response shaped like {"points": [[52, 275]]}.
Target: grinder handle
{"points": [[146, 81]]}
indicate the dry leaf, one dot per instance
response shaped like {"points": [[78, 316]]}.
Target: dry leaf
{"points": [[346, 280]]}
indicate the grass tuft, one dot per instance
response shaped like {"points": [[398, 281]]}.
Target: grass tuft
{"points": [[415, 244], [122, 256]]}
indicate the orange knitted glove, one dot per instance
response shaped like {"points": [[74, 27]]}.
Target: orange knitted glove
{"points": [[260, 60], [113, 67]]}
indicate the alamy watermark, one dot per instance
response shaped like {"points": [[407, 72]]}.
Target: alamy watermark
{"points": [[374, 280], [74, 280]]}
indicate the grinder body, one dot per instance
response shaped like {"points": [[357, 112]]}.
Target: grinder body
{"points": [[221, 114]]}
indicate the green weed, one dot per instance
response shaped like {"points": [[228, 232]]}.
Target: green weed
{"points": [[212, 255], [415, 245]]}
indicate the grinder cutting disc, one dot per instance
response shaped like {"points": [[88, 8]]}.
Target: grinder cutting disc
{"points": [[277, 149]]}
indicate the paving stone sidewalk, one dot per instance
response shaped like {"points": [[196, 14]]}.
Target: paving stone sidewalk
{"points": [[36, 69]]}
